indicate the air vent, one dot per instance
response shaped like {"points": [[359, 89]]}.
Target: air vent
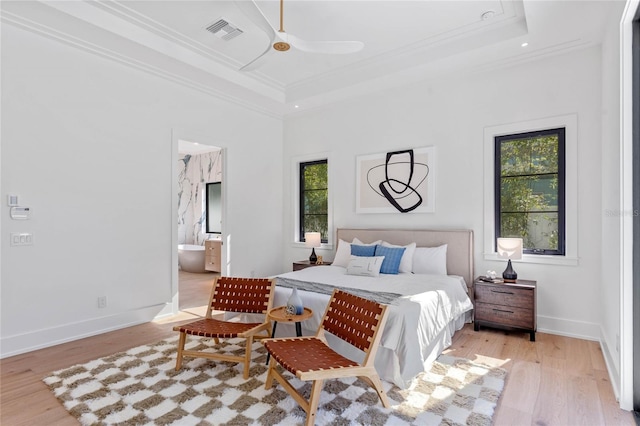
{"points": [[224, 30]]}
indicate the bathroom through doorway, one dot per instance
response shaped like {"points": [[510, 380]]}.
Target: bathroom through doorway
{"points": [[198, 164]]}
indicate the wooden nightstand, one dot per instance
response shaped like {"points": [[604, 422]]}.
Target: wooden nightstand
{"points": [[506, 305], [301, 264]]}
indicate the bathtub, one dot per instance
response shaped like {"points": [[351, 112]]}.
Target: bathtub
{"points": [[191, 258]]}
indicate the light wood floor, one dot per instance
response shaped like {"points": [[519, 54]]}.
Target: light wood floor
{"points": [[553, 381], [195, 290]]}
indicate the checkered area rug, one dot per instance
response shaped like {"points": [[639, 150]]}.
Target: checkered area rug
{"points": [[141, 387]]}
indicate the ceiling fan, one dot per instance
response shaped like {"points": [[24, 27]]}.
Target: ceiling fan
{"points": [[282, 41]]}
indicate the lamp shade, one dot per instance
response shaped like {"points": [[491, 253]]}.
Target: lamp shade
{"points": [[312, 239], [510, 248]]}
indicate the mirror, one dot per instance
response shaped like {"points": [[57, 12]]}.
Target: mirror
{"points": [[214, 208]]}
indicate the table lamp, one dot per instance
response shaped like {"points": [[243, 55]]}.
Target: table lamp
{"points": [[313, 240], [510, 248]]}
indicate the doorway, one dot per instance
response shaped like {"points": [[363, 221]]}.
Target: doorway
{"points": [[196, 163]]}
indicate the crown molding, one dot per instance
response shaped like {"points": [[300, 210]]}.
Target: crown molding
{"points": [[92, 48]]}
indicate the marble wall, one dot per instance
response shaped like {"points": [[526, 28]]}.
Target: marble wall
{"points": [[194, 172]]}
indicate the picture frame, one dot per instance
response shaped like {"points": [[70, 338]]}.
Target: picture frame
{"points": [[400, 181]]}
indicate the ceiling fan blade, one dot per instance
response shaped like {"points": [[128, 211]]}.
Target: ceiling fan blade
{"points": [[257, 62], [253, 12], [330, 47]]}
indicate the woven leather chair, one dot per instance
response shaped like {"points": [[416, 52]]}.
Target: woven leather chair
{"points": [[246, 295], [351, 318]]}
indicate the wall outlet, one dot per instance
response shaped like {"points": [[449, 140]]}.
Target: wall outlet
{"points": [[102, 302]]}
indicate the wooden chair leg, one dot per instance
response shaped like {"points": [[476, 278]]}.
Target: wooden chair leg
{"points": [[375, 382], [269, 382], [247, 356], [181, 342], [316, 390]]}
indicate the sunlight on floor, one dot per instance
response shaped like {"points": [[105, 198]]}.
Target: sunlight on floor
{"points": [[492, 362], [481, 359], [200, 311]]}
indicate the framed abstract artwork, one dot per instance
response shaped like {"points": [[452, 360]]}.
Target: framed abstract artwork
{"points": [[396, 181]]}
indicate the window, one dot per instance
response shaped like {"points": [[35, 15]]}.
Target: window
{"points": [[314, 194], [530, 190]]}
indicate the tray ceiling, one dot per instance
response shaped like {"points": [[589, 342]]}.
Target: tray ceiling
{"points": [[403, 41]]}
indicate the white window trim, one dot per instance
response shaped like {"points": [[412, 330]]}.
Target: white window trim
{"points": [[295, 197], [570, 123]]}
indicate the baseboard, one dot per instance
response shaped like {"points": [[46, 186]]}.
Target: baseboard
{"points": [[614, 373], [569, 328], [46, 337]]}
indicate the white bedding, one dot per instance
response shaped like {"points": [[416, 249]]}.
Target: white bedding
{"points": [[420, 322]]}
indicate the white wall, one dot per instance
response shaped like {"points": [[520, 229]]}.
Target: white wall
{"points": [[87, 145], [451, 115]]}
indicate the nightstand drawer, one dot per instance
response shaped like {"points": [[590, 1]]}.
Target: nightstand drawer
{"points": [[302, 264], [505, 315], [504, 295]]}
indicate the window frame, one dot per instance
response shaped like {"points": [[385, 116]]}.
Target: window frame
{"points": [[295, 238], [570, 123], [301, 192], [561, 173]]}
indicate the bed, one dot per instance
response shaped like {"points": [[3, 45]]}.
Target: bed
{"points": [[425, 310]]}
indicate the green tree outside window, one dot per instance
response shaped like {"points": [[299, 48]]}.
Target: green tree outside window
{"points": [[530, 189], [314, 191]]}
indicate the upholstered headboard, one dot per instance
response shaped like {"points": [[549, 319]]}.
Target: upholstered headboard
{"points": [[459, 244]]}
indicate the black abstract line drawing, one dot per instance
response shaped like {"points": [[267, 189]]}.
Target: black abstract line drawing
{"points": [[403, 177]]}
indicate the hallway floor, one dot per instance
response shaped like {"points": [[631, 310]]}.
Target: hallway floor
{"points": [[195, 290]]}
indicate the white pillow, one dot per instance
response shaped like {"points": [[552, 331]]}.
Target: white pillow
{"points": [[343, 252], [406, 263], [365, 266], [430, 260]]}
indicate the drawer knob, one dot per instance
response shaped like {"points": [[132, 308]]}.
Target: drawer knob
{"points": [[502, 310]]}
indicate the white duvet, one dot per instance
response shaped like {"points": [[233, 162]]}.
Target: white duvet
{"points": [[425, 310]]}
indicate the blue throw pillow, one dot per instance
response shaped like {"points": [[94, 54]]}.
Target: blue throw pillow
{"points": [[366, 251], [392, 258]]}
